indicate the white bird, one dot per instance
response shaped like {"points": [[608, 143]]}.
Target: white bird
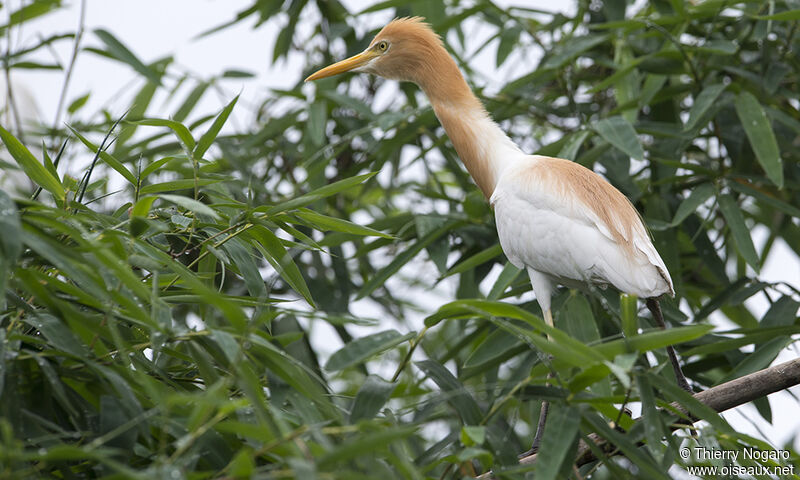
{"points": [[556, 219]]}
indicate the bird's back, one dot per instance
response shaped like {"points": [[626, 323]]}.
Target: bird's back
{"points": [[567, 222]]}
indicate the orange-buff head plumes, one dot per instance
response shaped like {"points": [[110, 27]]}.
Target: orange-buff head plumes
{"points": [[406, 49]]}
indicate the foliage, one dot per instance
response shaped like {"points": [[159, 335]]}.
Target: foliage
{"points": [[170, 310]]}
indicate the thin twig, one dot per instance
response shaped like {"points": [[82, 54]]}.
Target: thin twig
{"points": [[68, 74], [720, 398]]}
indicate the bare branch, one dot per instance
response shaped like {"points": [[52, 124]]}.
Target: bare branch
{"points": [[721, 398]]}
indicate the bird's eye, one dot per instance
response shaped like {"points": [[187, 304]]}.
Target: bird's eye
{"points": [[383, 45]]}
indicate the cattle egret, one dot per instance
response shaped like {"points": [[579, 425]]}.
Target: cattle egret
{"points": [[556, 219]]}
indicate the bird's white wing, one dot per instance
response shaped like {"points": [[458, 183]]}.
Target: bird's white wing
{"points": [[563, 220]]}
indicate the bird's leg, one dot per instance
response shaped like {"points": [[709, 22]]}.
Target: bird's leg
{"points": [[655, 309], [537, 439]]}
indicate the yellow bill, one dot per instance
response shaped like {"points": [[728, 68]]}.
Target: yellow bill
{"points": [[344, 66]]}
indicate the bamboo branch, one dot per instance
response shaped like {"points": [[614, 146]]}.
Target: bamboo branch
{"points": [[721, 398]]}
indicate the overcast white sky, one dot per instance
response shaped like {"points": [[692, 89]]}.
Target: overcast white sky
{"points": [[153, 29]]}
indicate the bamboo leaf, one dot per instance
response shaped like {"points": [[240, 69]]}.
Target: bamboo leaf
{"points": [[702, 104], [106, 157], [211, 134], [35, 170], [371, 397], [324, 222], [123, 54], [318, 194], [365, 347], [183, 184], [759, 133], [559, 441], [690, 204], [280, 260], [741, 234], [180, 130], [620, 133]]}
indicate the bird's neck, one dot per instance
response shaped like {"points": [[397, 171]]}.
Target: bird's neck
{"points": [[483, 147]]}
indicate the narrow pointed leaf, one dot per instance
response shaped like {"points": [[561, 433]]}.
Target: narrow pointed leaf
{"points": [[704, 101], [371, 397], [119, 51], [363, 348], [318, 194], [211, 134], [183, 133], [35, 170], [741, 234], [759, 133], [558, 444], [620, 133]]}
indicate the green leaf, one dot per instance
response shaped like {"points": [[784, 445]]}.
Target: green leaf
{"points": [[560, 344], [455, 393], [123, 54], [31, 11], [647, 468], [472, 435], [628, 312], [573, 144], [559, 441], [504, 280], [741, 234], [78, 103], [475, 260], [107, 158], [58, 334], [324, 222], [363, 348], [620, 133], [364, 444], [183, 184], [401, 259], [190, 102], [371, 397], [317, 119], [10, 244], [759, 359], [770, 200], [652, 340], [702, 104], [191, 204], [35, 170], [211, 134], [781, 313], [183, 133], [786, 16], [759, 133], [142, 206], [318, 194], [509, 39], [690, 204], [653, 425], [280, 260], [571, 48]]}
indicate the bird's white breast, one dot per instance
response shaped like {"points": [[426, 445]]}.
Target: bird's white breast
{"points": [[543, 227]]}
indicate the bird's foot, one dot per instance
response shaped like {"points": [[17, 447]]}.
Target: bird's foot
{"points": [[530, 452]]}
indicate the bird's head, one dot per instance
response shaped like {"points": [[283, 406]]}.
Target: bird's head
{"points": [[405, 49]]}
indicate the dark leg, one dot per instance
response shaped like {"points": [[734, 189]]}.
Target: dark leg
{"points": [[655, 309], [537, 439], [548, 317]]}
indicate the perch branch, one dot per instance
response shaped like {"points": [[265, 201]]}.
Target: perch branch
{"points": [[720, 398]]}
